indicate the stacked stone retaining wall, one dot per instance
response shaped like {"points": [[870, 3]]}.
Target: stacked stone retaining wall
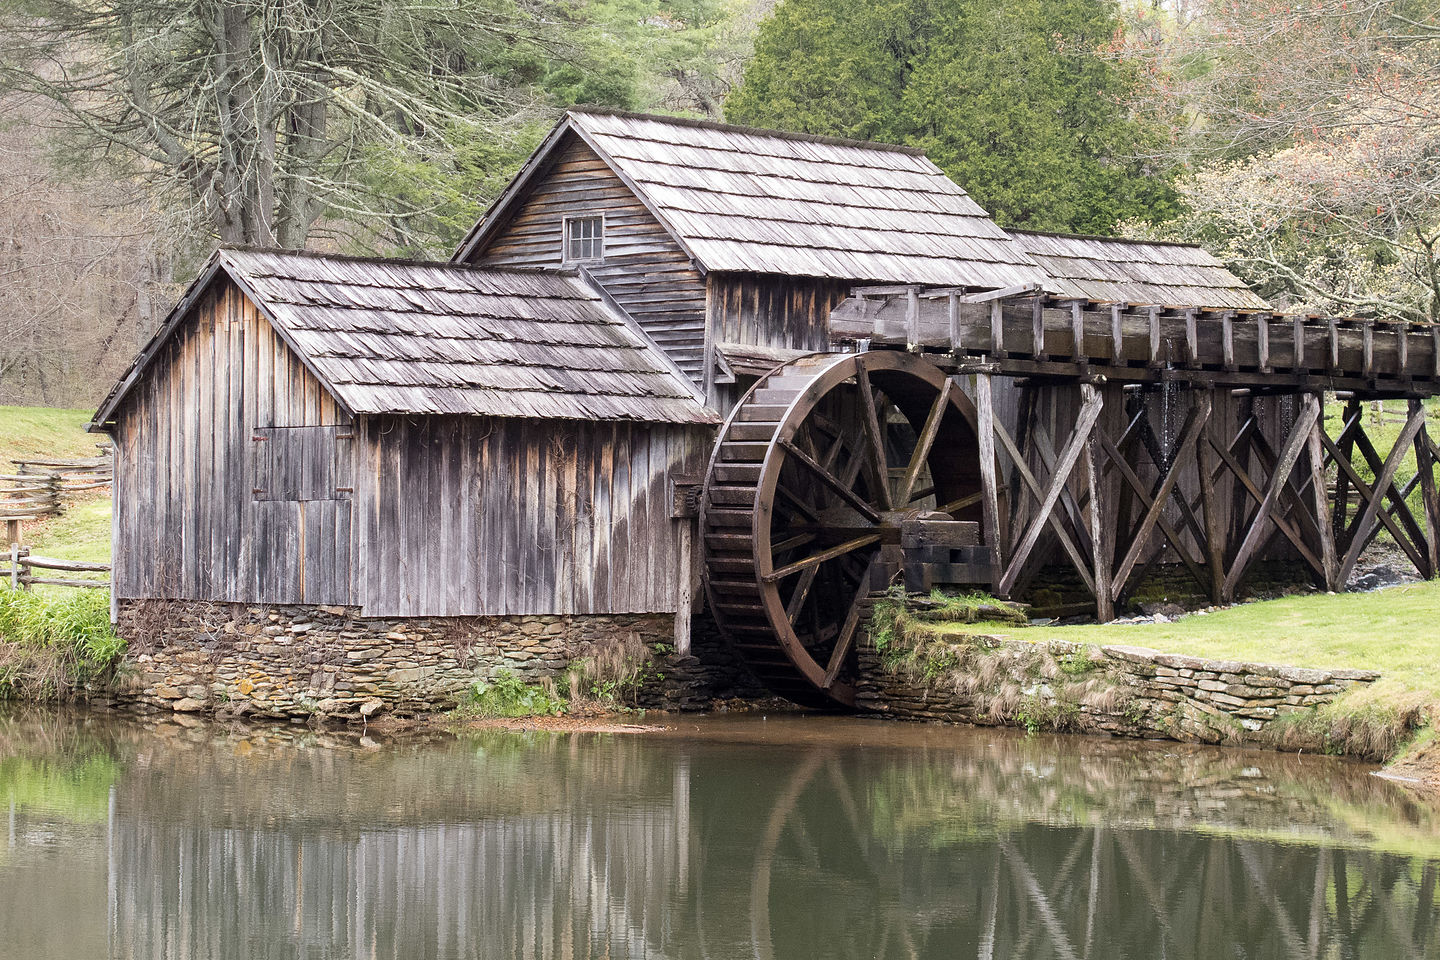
{"points": [[304, 661], [1120, 690]]}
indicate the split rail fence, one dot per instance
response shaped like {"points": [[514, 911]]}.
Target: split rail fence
{"points": [[21, 572]]}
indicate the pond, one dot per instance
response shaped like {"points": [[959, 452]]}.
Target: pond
{"points": [[784, 837]]}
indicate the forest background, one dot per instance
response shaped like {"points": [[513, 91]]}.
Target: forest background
{"points": [[1299, 141]]}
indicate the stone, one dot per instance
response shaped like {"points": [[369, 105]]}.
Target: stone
{"points": [[371, 707], [188, 705]]}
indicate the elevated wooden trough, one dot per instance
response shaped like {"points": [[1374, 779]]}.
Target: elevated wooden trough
{"points": [[1030, 334], [1101, 488]]}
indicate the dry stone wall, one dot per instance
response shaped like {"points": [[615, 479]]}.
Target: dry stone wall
{"points": [[303, 661], [1120, 690]]}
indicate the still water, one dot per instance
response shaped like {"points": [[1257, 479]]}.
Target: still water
{"points": [[725, 838]]}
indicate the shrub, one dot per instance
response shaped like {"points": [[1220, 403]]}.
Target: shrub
{"points": [[53, 643], [613, 671], [507, 695]]}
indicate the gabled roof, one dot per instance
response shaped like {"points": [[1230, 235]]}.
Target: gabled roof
{"points": [[762, 201], [1136, 271], [390, 336]]}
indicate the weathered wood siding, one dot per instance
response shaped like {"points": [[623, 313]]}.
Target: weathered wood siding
{"points": [[644, 269], [482, 516], [189, 522], [770, 311]]}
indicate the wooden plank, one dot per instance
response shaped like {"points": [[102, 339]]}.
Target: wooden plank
{"points": [[1069, 455], [1195, 422], [1289, 456], [990, 502], [1214, 545], [1384, 481], [1429, 499], [1325, 534]]}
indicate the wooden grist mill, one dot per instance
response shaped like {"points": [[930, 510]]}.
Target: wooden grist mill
{"points": [[978, 438], [796, 369]]}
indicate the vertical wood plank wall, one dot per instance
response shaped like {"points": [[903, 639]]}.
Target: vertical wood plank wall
{"points": [[451, 516], [494, 516], [644, 269], [187, 522]]}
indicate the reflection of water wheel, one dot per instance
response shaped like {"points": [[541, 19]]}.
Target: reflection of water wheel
{"points": [[824, 468]]}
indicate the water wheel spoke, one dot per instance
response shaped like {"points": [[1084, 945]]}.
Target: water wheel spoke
{"points": [[831, 481], [846, 639], [969, 500], [815, 559], [876, 440], [799, 504], [802, 592], [790, 543], [926, 441]]}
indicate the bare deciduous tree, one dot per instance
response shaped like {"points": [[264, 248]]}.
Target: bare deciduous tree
{"points": [[257, 116]]}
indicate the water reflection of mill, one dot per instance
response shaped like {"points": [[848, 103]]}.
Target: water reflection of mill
{"points": [[659, 848]]}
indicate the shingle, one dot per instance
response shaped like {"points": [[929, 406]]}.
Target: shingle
{"points": [[397, 337], [1136, 271], [751, 201]]}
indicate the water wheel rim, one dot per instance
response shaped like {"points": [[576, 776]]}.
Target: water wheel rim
{"points": [[833, 374]]}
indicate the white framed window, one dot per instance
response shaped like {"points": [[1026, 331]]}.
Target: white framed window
{"points": [[584, 239]]}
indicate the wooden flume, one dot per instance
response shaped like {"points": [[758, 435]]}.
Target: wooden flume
{"points": [[841, 472]]}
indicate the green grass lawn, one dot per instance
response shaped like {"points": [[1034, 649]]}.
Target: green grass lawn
{"points": [[83, 531], [44, 432], [1395, 631]]}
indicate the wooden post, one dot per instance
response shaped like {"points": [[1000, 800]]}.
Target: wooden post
{"points": [[912, 320], [1214, 534], [1425, 467], [684, 603], [997, 331], [952, 310], [1289, 455], [14, 566], [1037, 328], [1100, 538], [989, 482], [1318, 490], [1077, 330], [1117, 335], [1384, 480]]}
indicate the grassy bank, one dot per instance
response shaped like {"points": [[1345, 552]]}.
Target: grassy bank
{"points": [[1392, 631], [53, 644], [44, 433]]}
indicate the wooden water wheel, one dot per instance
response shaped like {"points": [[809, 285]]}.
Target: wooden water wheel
{"points": [[832, 473]]}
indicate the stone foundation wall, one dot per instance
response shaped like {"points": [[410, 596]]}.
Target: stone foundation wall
{"points": [[304, 661], [1120, 690]]}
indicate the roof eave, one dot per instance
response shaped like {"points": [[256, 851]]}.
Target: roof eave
{"points": [[105, 414]]}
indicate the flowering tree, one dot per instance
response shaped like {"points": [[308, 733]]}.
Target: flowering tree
{"points": [[1313, 134]]}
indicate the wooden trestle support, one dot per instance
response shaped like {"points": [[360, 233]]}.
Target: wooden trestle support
{"points": [[957, 457], [1090, 497]]}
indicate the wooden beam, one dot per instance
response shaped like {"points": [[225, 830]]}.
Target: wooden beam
{"points": [[871, 423], [924, 442], [1214, 535], [1069, 455], [1289, 456], [1318, 491], [1386, 517], [989, 484], [1195, 421], [1425, 468], [1100, 539], [1383, 482], [1137, 489]]}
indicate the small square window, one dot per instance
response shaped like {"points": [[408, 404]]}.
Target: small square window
{"points": [[584, 238]]}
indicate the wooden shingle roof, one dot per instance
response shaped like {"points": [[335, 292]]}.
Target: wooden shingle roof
{"points": [[388, 336], [756, 201], [1136, 271]]}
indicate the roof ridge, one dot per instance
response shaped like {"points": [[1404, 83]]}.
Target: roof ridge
{"points": [[1092, 236], [399, 261], [752, 131]]}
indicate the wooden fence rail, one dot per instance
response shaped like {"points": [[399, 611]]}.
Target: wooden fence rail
{"points": [[22, 567]]}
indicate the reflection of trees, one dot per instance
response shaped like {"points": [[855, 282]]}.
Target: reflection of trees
{"points": [[244, 845]]}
